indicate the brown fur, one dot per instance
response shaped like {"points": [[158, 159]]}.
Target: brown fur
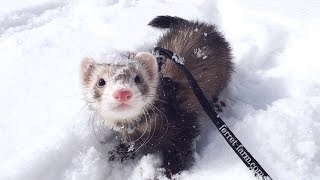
{"points": [[212, 69]]}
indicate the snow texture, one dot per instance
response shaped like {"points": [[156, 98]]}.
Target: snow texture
{"points": [[273, 102]]}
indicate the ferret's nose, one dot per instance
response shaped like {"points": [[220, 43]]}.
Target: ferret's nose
{"points": [[122, 95]]}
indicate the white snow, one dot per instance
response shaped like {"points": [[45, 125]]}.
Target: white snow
{"points": [[273, 101]]}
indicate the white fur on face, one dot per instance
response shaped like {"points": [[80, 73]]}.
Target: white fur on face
{"points": [[106, 106]]}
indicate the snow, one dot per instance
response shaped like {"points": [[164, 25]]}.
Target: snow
{"points": [[273, 102]]}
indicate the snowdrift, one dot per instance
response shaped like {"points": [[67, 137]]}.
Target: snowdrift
{"points": [[273, 101]]}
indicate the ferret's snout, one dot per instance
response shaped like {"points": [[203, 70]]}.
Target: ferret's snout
{"points": [[122, 95]]}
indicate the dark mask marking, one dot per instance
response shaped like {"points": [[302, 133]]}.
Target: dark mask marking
{"points": [[97, 93], [124, 76], [143, 86]]}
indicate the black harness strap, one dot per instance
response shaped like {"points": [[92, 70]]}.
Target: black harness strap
{"points": [[236, 145]]}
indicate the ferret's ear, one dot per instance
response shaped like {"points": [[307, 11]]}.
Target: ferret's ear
{"points": [[87, 67], [149, 61]]}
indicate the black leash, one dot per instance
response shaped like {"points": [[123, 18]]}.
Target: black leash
{"points": [[253, 165]]}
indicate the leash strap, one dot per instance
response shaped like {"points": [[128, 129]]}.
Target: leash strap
{"points": [[232, 140]]}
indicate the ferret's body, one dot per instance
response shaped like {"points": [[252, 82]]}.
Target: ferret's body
{"points": [[131, 99]]}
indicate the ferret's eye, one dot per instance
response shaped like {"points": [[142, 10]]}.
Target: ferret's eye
{"points": [[137, 79], [101, 82]]}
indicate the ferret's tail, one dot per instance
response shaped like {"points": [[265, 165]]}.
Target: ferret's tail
{"points": [[166, 21]]}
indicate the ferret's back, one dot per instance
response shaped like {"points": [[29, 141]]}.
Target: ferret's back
{"points": [[206, 54]]}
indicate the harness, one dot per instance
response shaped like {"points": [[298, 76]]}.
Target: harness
{"points": [[162, 55]]}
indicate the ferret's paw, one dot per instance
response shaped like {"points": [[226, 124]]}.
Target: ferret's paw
{"points": [[121, 153]]}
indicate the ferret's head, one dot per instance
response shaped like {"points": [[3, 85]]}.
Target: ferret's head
{"points": [[119, 94]]}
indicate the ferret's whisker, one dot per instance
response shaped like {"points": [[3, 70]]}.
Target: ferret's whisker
{"points": [[144, 142], [77, 115], [165, 117], [145, 130], [154, 129]]}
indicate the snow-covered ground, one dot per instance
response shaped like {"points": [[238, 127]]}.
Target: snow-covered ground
{"points": [[273, 100]]}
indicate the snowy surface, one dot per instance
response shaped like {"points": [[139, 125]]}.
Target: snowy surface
{"points": [[273, 101]]}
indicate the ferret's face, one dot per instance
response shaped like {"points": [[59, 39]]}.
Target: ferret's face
{"points": [[119, 94]]}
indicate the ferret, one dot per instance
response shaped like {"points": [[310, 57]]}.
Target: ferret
{"points": [[130, 98]]}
